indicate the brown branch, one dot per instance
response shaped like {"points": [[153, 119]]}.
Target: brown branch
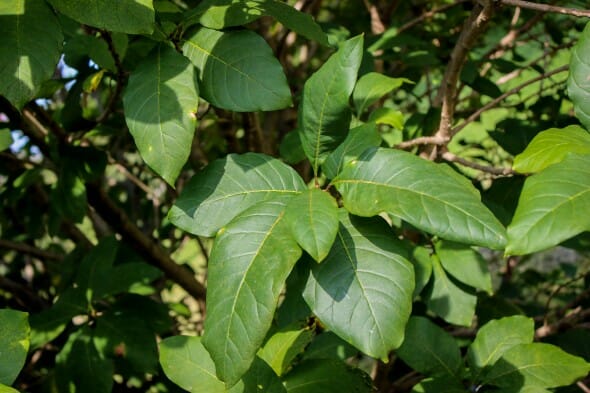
{"points": [[423, 140], [144, 245], [30, 250], [450, 157], [475, 115], [120, 77], [428, 14], [547, 8], [569, 320]]}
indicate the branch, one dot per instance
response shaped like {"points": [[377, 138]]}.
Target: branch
{"points": [[428, 14], [499, 99], [30, 250], [145, 246], [572, 318], [547, 8], [106, 36], [423, 140], [448, 156]]}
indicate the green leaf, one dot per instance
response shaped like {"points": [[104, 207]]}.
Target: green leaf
{"points": [[249, 263], [363, 290], [429, 196], [495, 338], [326, 376], [550, 207], [227, 187], [358, 140], [371, 87], [260, 378], [550, 147], [578, 84], [237, 70], [422, 268], [329, 346], [125, 16], [429, 349], [388, 116], [187, 363], [68, 196], [537, 364], [220, 14], [313, 219], [160, 105], [95, 268], [444, 384], [290, 148], [5, 139], [29, 50], [447, 300], [465, 264], [14, 344], [283, 346], [7, 389], [324, 113], [125, 276]]}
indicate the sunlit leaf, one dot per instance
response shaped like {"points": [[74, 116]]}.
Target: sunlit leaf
{"points": [[14, 344], [465, 264], [372, 86], [283, 346], [578, 83]]}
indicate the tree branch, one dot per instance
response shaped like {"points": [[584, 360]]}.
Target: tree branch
{"points": [[423, 140], [30, 250], [547, 8], [448, 156], [428, 14]]}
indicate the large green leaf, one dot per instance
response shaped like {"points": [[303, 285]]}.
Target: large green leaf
{"points": [[249, 263], [160, 105], [125, 16], [444, 384], [363, 290], [284, 345], [550, 147], [373, 86], [14, 344], [578, 84], [324, 113], [326, 376], [7, 389], [446, 299], [219, 14], [465, 264], [495, 338], [237, 70], [29, 50], [429, 349], [429, 196], [93, 273], [358, 140], [227, 187], [313, 218], [551, 207], [536, 364]]}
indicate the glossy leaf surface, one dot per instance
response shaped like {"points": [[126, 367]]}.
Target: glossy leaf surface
{"points": [[551, 205], [227, 187], [284, 346], [578, 84], [249, 263], [160, 105], [363, 290], [465, 264], [14, 344], [125, 16], [237, 70], [550, 147], [313, 219], [326, 376], [29, 50], [371, 87], [429, 349], [324, 113], [537, 364], [429, 196]]}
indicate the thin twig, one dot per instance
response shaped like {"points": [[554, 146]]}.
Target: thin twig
{"points": [[30, 250], [547, 8], [423, 140], [556, 291], [572, 318], [448, 156], [106, 36], [583, 387], [475, 115], [428, 14]]}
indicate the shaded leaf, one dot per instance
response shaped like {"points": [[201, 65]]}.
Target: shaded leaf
{"points": [[227, 187], [324, 113], [444, 384], [249, 263], [14, 344], [429, 196], [536, 364], [358, 140], [283, 346], [5, 139], [329, 346], [422, 268], [237, 70], [578, 83], [550, 206], [95, 268], [160, 105], [313, 219], [363, 290], [550, 147], [326, 376], [29, 50], [465, 264], [495, 338], [446, 299], [371, 87], [290, 148], [125, 16], [430, 350]]}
